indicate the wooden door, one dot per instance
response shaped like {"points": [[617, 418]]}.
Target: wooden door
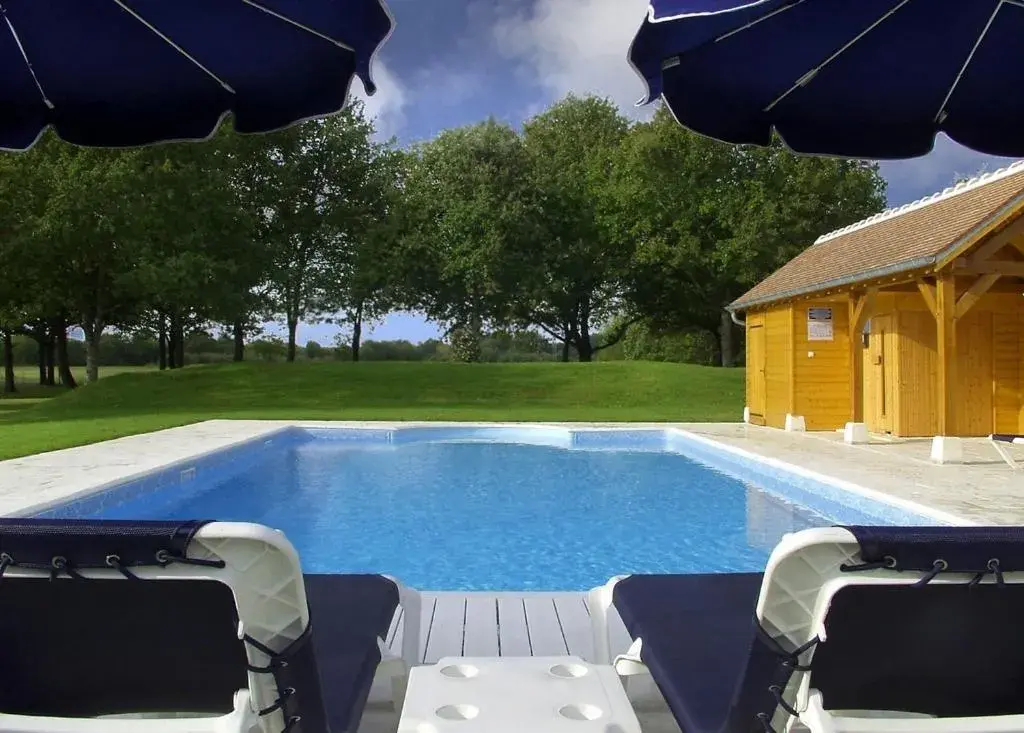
{"points": [[757, 392], [879, 376]]}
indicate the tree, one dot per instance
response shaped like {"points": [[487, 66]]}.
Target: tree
{"points": [[710, 220], [31, 301], [694, 346], [269, 348], [317, 185], [314, 350], [78, 240], [367, 289], [204, 258], [253, 167], [8, 349], [573, 277], [468, 198]]}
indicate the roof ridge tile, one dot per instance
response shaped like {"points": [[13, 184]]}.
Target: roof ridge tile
{"points": [[977, 181]]}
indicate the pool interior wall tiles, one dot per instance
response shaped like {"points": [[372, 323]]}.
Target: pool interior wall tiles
{"points": [[819, 496], [827, 499], [216, 466]]}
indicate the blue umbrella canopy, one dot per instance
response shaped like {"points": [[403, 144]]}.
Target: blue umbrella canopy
{"points": [[858, 78], [132, 72]]}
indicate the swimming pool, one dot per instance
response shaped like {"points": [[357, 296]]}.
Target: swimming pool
{"points": [[498, 508]]}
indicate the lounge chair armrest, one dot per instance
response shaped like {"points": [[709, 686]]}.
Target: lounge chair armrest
{"points": [[630, 664], [411, 604], [599, 603]]}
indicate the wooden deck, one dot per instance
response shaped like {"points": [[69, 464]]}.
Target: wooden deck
{"points": [[510, 625], [505, 625]]}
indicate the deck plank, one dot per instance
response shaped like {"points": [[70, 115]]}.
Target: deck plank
{"points": [[546, 639], [575, 624], [481, 633], [513, 636], [448, 628], [505, 624]]}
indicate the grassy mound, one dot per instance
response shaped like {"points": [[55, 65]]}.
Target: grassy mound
{"points": [[136, 402]]}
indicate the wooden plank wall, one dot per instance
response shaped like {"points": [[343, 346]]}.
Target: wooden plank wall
{"points": [[990, 348], [778, 364], [975, 385], [916, 371], [822, 368], [1007, 366], [990, 366]]}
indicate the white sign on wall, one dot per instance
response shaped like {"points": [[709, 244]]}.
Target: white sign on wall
{"points": [[819, 324]]}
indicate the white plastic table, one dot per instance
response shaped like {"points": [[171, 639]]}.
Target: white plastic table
{"points": [[516, 694]]}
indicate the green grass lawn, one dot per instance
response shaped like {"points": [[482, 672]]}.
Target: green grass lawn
{"points": [[137, 401], [26, 379]]}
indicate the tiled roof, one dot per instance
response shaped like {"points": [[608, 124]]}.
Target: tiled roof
{"points": [[903, 238]]}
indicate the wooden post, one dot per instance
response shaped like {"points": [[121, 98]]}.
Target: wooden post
{"points": [[859, 310], [856, 363], [945, 320], [794, 312]]}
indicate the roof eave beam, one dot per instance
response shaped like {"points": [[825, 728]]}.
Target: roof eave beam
{"points": [[1009, 268], [1007, 236], [974, 293]]}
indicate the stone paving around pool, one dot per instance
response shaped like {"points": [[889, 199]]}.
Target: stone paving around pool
{"points": [[982, 490]]}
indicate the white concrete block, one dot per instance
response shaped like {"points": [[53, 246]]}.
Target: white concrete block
{"points": [[946, 449], [795, 424], [513, 694], [855, 433], [746, 415]]}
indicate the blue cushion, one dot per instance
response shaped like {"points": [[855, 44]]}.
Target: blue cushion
{"points": [[698, 632]]}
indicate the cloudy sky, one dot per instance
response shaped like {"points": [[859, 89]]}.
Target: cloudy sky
{"points": [[452, 62]]}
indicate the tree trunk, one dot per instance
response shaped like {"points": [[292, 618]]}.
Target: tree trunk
{"points": [[357, 332], [161, 340], [293, 325], [42, 340], [584, 348], [8, 363], [239, 334], [60, 335], [92, 353], [565, 349], [725, 339], [51, 358], [173, 333], [179, 343]]}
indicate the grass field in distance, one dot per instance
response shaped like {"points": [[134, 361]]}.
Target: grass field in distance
{"points": [[128, 401]]}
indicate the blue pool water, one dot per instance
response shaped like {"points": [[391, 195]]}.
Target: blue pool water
{"points": [[471, 515]]}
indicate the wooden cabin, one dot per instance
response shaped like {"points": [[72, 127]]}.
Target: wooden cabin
{"points": [[909, 323]]}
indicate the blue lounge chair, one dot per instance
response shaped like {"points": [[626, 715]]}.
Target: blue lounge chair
{"points": [[853, 629], [195, 626]]}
